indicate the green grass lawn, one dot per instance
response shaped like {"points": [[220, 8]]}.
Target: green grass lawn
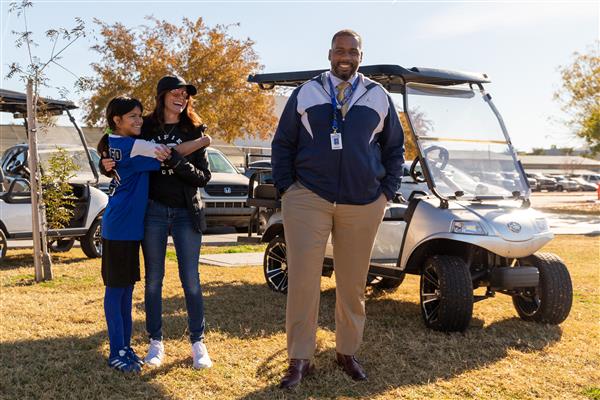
{"points": [[53, 342]]}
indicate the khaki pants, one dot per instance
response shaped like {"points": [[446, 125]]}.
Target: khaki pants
{"points": [[308, 220]]}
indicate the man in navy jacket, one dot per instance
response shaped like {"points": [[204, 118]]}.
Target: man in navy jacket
{"points": [[337, 159]]}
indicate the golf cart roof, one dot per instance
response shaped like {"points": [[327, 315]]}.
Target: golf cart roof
{"points": [[16, 103], [392, 77]]}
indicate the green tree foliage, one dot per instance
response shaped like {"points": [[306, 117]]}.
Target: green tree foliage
{"points": [[580, 95], [58, 193], [133, 60]]}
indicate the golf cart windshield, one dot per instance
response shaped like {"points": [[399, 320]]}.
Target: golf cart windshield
{"points": [[461, 140], [53, 138]]}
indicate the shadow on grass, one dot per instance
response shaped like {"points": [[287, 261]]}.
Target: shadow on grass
{"points": [[67, 367], [398, 351], [249, 311], [408, 354], [238, 308], [10, 262]]}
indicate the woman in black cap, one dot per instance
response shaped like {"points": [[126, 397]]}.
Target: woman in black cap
{"points": [[174, 207]]}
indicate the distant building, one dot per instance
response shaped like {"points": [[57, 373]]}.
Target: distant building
{"points": [[559, 164]]}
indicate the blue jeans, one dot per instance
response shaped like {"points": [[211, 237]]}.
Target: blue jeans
{"points": [[160, 221]]}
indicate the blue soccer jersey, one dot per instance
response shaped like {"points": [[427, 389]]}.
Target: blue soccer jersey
{"points": [[124, 215]]}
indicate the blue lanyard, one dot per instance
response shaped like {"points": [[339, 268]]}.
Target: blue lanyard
{"points": [[334, 103]]}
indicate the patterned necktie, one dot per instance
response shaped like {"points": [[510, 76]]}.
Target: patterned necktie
{"points": [[341, 95]]}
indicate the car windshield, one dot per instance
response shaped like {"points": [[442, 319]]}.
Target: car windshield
{"points": [[219, 163], [462, 143]]}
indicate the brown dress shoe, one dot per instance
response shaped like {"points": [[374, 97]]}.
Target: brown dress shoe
{"points": [[351, 366], [297, 371]]}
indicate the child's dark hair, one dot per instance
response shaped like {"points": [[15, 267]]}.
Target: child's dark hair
{"points": [[117, 107]]}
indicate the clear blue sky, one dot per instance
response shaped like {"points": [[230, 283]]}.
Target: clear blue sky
{"points": [[520, 45]]}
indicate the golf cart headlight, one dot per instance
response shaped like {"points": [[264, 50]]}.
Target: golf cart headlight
{"points": [[468, 228], [541, 224]]}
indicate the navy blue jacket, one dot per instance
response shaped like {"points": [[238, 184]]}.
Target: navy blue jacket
{"points": [[372, 154]]}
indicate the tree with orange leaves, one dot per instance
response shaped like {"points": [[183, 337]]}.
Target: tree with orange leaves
{"points": [[133, 60]]}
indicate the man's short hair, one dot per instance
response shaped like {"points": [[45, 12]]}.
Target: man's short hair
{"points": [[347, 32]]}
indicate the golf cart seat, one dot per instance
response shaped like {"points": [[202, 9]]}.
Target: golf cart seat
{"points": [[263, 195], [395, 213]]}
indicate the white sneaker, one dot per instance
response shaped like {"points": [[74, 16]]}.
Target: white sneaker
{"points": [[200, 356], [156, 353]]}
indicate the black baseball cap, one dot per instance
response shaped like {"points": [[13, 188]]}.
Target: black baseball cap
{"points": [[170, 82]]}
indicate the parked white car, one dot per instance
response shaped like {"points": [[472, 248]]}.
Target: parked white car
{"points": [[15, 192], [226, 194], [594, 179], [85, 225], [583, 184], [564, 183]]}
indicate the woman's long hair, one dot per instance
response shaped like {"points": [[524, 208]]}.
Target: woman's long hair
{"points": [[188, 121]]}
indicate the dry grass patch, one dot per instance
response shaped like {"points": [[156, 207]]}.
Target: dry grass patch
{"points": [[54, 345]]}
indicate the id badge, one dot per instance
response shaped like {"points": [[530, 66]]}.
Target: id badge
{"points": [[336, 141]]}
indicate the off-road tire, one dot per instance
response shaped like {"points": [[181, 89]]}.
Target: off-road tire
{"points": [[3, 245], [446, 294], [275, 265], [60, 245], [89, 242], [551, 300]]}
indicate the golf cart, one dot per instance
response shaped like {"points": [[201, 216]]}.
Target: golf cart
{"points": [[469, 230], [15, 196]]}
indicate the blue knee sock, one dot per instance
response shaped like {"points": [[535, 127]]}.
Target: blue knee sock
{"points": [[114, 320], [126, 301]]}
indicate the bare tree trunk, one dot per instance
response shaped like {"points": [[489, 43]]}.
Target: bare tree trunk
{"points": [[41, 258]]}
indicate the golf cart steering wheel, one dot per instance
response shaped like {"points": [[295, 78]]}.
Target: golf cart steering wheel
{"points": [[444, 156], [17, 168], [413, 174]]}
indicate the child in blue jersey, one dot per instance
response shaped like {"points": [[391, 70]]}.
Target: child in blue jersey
{"points": [[123, 220]]}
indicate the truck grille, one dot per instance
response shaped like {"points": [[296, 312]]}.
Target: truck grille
{"points": [[226, 190], [225, 204]]}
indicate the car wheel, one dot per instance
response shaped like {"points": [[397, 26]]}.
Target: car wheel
{"points": [[275, 265], [382, 283], [550, 302], [559, 188], [91, 243], [446, 294], [3, 244], [60, 245]]}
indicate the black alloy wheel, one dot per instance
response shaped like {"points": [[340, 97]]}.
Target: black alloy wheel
{"points": [[275, 265], [91, 243], [3, 245]]}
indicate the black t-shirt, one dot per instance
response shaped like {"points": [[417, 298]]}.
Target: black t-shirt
{"points": [[165, 186]]}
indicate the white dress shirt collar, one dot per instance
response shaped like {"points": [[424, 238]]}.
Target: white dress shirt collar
{"points": [[336, 81]]}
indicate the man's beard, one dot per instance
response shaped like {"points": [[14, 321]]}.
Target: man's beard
{"points": [[345, 74]]}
